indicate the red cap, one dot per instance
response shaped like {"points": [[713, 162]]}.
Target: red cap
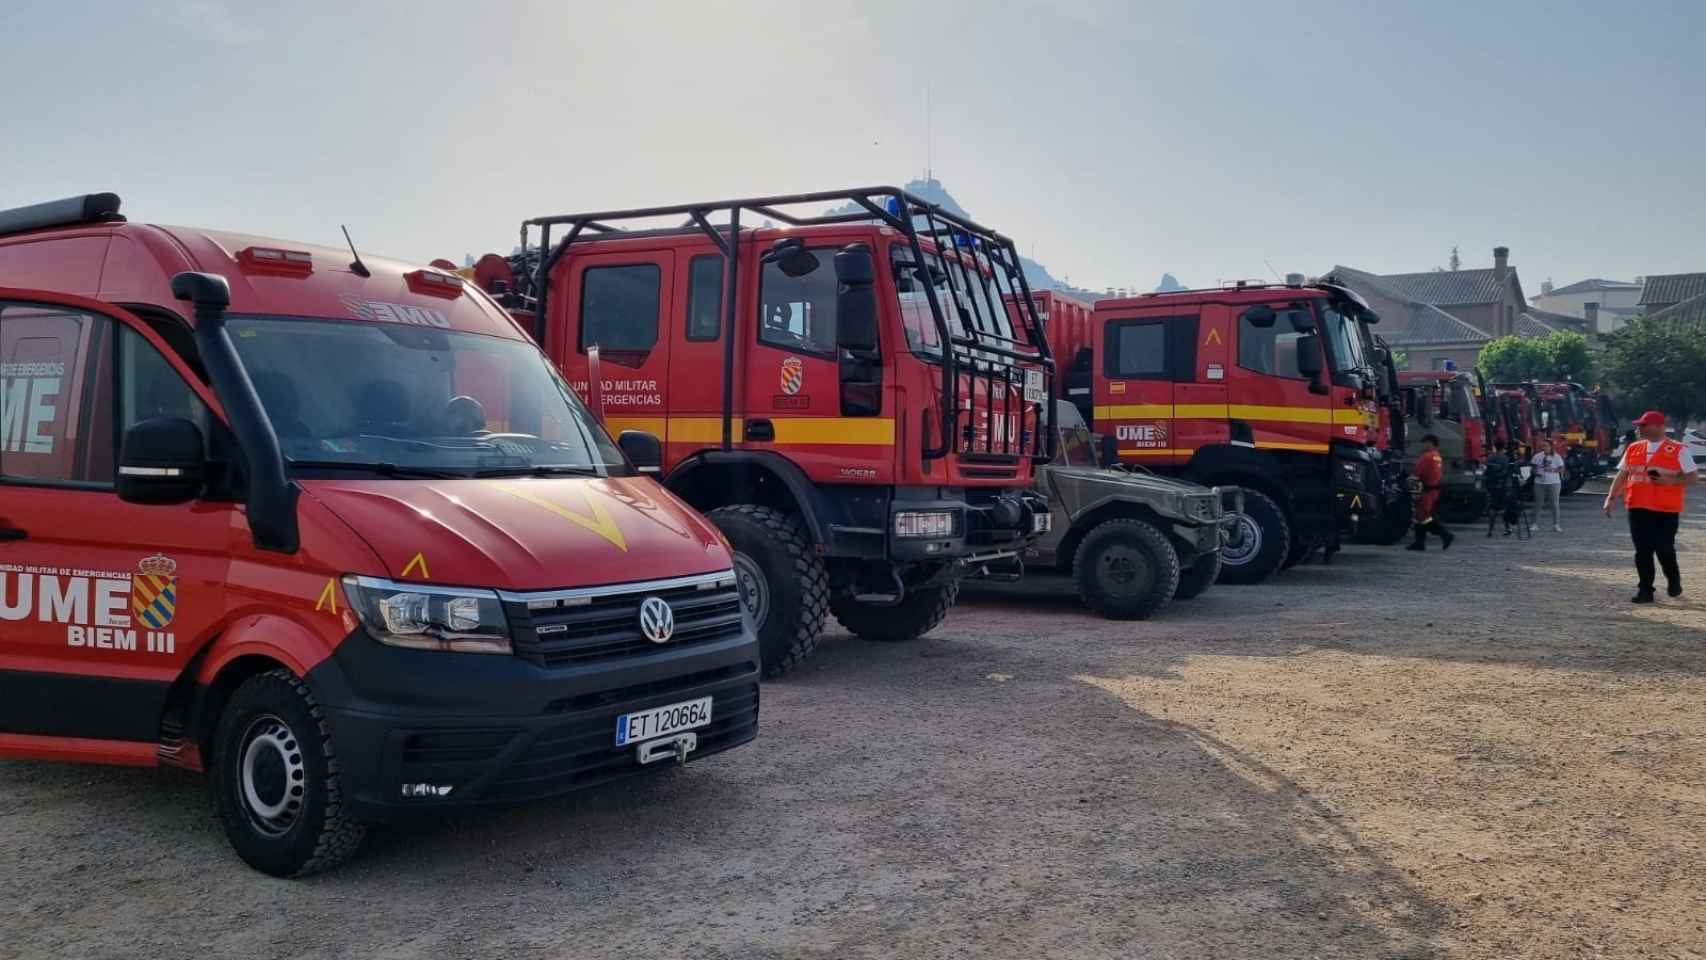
{"points": [[1650, 418]]}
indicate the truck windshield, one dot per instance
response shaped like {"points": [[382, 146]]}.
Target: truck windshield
{"points": [[1463, 405], [1344, 336], [406, 400], [979, 307]]}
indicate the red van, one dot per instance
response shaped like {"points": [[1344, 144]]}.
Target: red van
{"points": [[332, 530]]}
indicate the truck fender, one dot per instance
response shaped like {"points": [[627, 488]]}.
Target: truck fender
{"points": [[1245, 466], [268, 635], [714, 478]]}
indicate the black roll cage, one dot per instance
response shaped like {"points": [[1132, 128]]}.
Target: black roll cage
{"points": [[980, 355]]}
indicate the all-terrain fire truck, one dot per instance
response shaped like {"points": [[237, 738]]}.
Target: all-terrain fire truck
{"points": [[1397, 512], [1266, 387], [842, 392], [1442, 403]]}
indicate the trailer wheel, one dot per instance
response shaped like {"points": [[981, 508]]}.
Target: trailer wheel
{"points": [[1125, 569], [781, 579], [1199, 576], [274, 779], [918, 613], [1261, 541]]}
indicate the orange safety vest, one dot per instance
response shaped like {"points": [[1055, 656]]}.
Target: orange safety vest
{"points": [[1641, 494]]}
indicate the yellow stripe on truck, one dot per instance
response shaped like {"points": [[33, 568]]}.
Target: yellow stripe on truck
{"points": [[849, 431], [1230, 411]]}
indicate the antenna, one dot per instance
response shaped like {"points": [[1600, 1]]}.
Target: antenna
{"points": [[356, 266], [928, 166], [1272, 270]]}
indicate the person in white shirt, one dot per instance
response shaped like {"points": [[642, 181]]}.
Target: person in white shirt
{"points": [[1549, 480]]}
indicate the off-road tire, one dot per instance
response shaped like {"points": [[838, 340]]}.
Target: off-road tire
{"points": [[1199, 576], [1393, 526], [797, 583], [918, 613], [1120, 542], [319, 834], [1274, 546]]}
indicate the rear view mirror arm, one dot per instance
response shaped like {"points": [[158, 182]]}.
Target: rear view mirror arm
{"points": [[271, 496]]}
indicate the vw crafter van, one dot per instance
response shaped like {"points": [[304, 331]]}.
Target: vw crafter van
{"points": [[331, 530]]}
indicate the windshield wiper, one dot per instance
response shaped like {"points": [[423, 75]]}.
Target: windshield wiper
{"points": [[394, 470], [541, 470]]}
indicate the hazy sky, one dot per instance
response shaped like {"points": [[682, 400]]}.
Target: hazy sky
{"points": [[1112, 140]]}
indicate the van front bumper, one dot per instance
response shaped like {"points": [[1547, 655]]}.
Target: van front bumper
{"points": [[418, 730]]}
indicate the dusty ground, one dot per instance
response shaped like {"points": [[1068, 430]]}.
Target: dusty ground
{"points": [[1486, 753]]}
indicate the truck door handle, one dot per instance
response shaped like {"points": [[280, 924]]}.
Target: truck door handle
{"points": [[13, 533], [761, 430]]}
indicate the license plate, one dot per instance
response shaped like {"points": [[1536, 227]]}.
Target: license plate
{"points": [[1034, 386], [662, 721]]}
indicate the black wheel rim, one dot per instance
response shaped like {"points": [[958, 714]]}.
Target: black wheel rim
{"points": [[1124, 569]]}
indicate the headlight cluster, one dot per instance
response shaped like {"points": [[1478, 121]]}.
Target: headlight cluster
{"points": [[1351, 470], [924, 523], [429, 618]]}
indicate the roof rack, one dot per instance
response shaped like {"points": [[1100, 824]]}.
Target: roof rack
{"points": [[88, 208]]}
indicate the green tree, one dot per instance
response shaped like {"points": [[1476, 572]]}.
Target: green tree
{"points": [[1555, 357], [1658, 367], [1567, 357], [1509, 359]]}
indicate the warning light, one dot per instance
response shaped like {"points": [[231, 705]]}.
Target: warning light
{"points": [[274, 260], [1450, 366], [434, 283]]}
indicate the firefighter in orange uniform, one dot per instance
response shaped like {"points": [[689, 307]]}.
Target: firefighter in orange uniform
{"points": [[1430, 472], [1653, 476]]}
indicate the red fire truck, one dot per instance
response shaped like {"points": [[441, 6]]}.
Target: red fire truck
{"points": [[1265, 387], [331, 529], [843, 393]]}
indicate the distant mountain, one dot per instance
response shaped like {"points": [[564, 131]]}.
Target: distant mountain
{"points": [[1036, 274]]}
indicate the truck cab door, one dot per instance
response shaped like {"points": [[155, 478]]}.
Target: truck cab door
{"points": [[620, 302], [794, 401], [1140, 358], [1276, 409], [102, 603]]}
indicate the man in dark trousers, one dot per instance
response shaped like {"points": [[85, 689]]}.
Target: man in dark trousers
{"points": [[1430, 471], [1653, 477]]}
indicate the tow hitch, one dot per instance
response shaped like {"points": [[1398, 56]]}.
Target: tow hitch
{"points": [[678, 747]]}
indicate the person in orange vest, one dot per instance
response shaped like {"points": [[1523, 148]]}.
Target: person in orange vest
{"points": [[1430, 470], [1653, 476]]}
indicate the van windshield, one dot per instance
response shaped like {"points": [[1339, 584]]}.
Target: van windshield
{"points": [[406, 400]]}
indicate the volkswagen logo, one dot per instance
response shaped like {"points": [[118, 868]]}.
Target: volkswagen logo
{"points": [[657, 620]]}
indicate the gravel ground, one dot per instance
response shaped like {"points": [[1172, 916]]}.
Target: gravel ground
{"points": [[1481, 753]]}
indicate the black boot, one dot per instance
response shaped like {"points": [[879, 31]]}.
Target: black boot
{"points": [[1421, 541], [1445, 536]]}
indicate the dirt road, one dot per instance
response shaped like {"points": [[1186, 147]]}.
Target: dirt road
{"points": [[1482, 753]]}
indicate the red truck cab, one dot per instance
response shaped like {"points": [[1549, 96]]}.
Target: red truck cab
{"points": [[334, 532], [844, 394], [1266, 387]]}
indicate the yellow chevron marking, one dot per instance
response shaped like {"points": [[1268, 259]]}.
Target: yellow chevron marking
{"points": [[600, 522], [1213, 336], [418, 561], [328, 597]]}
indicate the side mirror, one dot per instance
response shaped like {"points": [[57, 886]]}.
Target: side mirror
{"points": [[1261, 316], [1309, 362], [791, 257], [642, 449], [163, 460], [855, 299]]}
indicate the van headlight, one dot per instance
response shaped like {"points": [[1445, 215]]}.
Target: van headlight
{"points": [[419, 617]]}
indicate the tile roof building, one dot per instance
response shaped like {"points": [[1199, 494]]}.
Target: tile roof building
{"points": [[1670, 289], [1445, 315]]}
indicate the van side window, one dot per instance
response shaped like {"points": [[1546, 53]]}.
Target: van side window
{"points": [[798, 313], [619, 311], [52, 376], [704, 297], [149, 387], [1137, 350], [1270, 350]]}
